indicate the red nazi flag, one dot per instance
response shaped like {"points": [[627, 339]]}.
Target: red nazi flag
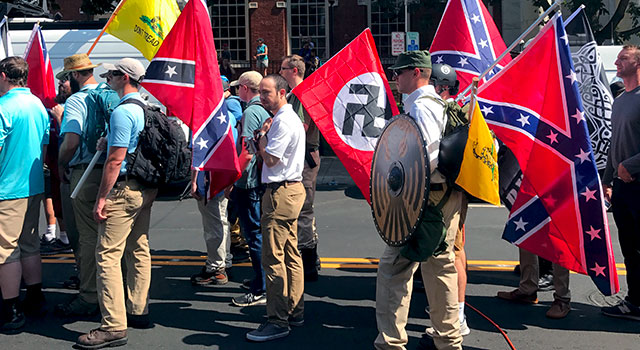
{"points": [[350, 101]]}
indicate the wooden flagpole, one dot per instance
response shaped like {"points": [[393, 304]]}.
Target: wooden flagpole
{"points": [[115, 12]]}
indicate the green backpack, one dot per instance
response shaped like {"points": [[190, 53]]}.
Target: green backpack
{"points": [[100, 101]]}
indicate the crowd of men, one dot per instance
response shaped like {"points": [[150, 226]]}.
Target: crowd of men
{"points": [[278, 149]]}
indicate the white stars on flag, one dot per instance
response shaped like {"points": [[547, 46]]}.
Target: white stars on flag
{"points": [[553, 137], [589, 194], [483, 43], [578, 116], [475, 18], [439, 59], [171, 71], [463, 61], [520, 224], [222, 118], [524, 119], [202, 143], [572, 77], [593, 233], [486, 110], [599, 270], [583, 156]]}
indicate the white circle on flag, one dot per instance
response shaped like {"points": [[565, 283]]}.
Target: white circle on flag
{"points": [[359, 111]]}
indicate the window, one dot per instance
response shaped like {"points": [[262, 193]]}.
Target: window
{"points": [[230, 27], [308, 22], [384, 21]]}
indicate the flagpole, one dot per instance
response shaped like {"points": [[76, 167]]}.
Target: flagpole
{"points": [[474, 90], [513, 45], [574, 14], [115, 12]]}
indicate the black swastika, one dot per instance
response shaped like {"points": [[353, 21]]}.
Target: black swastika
{"points": [[370, 111]]}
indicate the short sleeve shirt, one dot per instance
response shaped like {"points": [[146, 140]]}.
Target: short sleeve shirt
{"points": [[262, 49], [286, 141], [74, 120], [126, 123], [253, 118], [24, 130]]}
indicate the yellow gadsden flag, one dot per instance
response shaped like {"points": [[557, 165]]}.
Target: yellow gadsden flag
{"points": [[143, 23], [479, 169]]}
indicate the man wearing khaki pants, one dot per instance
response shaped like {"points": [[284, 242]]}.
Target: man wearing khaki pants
{"points": [[123, 210], [281, 144]]}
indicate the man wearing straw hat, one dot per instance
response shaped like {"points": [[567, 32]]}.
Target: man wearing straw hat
{"points": [[394, 282], [75, 154]]}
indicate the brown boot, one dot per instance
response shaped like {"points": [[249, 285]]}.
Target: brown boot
{"points": [[517, 296], [98, 339], [559, 309]]}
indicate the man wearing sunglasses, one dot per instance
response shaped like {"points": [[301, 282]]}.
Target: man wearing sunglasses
{"points": [[394, 281]]}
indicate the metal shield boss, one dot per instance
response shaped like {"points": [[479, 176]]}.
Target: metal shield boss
{"points": [[399, 180]]}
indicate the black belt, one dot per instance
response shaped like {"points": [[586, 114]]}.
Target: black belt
{"points": [[275, 185], [436, 187]]}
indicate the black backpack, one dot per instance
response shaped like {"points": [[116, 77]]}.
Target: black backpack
{"points": [[163, 155]]}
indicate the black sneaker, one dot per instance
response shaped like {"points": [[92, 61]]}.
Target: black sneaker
{"points": [[55, 246], [250, 299], [268, 331], [623, 310], [296, 321], [545, 283], [35, 306], [205, 278]]}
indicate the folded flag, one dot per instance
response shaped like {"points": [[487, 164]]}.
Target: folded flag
{"points": [[479, 169], [559, 212], [6, 50], [40, 79]]}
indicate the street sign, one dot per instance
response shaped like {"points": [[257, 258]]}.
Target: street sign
{"points": [[413, 41], [397, 43]]}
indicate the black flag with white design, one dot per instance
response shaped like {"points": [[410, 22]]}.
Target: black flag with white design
{"points": [[592, 82]]}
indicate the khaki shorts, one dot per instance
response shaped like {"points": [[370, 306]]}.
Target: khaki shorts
{"points": [[19, 236]]}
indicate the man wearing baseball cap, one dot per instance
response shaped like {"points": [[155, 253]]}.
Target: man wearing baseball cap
{"points": [[394, 281], [123, 213]]}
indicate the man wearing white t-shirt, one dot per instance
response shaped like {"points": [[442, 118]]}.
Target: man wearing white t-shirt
{"points": [[281, 144]]}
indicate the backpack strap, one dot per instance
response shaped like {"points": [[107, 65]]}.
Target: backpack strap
{"points": [[445, 198], [134, 101]]}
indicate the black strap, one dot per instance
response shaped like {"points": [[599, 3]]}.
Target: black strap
{"points": [[445, 198], [134, 101]]}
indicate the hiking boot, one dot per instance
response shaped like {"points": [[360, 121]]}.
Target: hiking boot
{"points": [[139, 321], [98, 339], [545, 283], [54, 246], [296, 321], [76, 307], [72, 283], [240, 256], [13, 317], [205, 278], [464, 330], [623, 310], [559, 309], [517, 296], [268, 331], [250, 299]]}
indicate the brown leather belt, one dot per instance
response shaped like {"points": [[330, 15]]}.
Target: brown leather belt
{"points": [[275, 185]]}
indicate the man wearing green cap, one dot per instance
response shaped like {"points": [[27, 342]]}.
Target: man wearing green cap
{"points": [[395, 272]]}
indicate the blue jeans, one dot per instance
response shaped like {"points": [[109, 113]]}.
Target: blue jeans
{"points": [[247, 202]]}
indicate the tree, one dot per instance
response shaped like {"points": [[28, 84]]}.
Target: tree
{"points": [[597, 8]]}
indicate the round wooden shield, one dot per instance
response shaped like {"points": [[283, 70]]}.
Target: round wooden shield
{"points": [[399, 184]]}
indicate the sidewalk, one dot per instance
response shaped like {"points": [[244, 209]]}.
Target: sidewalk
{"points": [[333, 173]]}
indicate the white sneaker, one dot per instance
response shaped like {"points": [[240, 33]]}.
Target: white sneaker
{"points": [[464, 330]]}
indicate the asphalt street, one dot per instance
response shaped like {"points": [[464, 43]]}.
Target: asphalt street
{"points": [[340, 307]]}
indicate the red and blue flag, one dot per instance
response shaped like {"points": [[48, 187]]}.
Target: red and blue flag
{"points": [[185, 77], [468, 40], [40, 80], [534, 107]]}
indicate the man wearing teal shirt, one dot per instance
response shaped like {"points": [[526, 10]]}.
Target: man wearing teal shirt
{"points": [[123, 210], [24, 135]]}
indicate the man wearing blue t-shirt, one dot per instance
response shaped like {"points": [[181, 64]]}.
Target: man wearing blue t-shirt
{"points": [[24, 135], [123, 210]]}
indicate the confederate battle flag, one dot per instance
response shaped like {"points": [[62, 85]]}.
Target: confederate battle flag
{"points": [[468, 40], [534, 107], [350, 101], [184, 76]]}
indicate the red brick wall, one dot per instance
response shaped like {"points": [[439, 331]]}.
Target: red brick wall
{"points": [[269, 23]]}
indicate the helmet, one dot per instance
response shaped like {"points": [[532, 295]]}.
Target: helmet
{"points": [[443, 74]]}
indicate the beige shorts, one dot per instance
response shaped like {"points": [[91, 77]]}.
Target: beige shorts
{"points": [[458, 244], [19, 236]]}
